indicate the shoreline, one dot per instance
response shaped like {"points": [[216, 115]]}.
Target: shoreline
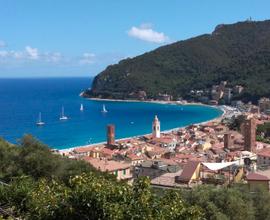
{"points": [[219, 118], [148, 101]]}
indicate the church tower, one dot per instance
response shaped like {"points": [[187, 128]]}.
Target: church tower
{"points": [[156, 128]]}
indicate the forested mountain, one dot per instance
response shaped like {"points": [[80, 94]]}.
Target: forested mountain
{"points": [[238, 53]]}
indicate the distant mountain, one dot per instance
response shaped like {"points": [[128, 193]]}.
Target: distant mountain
{"points": [[238, 53]]}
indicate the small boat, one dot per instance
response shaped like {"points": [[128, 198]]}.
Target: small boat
{"points": [[40, 122], [81, 108], [104, 110], [62, 115]]}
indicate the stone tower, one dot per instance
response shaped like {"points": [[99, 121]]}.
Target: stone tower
{"points": [[156, 128], [249, 132], [228, 140], [110, 134]]}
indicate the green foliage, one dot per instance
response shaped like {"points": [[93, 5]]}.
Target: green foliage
{"points": [[263, 133], [236, 122], [32, 158], [230, 203], [8, 165], [40, 190], [42, 185], [265, 128], [262, 201], [92, 197], [239, 53]]}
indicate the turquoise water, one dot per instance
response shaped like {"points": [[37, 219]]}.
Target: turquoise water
{"points": [[22, 99]]}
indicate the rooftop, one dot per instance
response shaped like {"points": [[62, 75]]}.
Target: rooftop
{"points": [[264, 152], [106, 165], [189, 170], [258, 177]]}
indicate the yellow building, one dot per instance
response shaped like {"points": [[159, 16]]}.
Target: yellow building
{"points": [[191, 173], [120, 170], [204, 145]]}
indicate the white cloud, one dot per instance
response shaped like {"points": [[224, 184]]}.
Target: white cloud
{"points": [[32, 53], [146, 33], [52, 57], [3, 43], [87, 58], [11, 54]]}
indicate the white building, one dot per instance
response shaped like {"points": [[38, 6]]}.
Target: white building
{"points": [[156, 128]]}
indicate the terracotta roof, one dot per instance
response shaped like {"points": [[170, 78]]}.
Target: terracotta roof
{"points": [[82, 149], [264, 152], [258, 177], [106, 165], [184, 156], [86, 149], [134, 157], [167, 161], [218, 145], [189, 170], [166, 140], [107, 151]]}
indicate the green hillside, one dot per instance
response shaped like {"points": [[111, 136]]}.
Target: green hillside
{"points": [[238, 53], [37, 184]]}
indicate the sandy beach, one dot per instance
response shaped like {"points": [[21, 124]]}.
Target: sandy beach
{"points": [[148, 101]]}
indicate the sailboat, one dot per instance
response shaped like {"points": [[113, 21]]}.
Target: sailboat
{"points": [[40, 122], [104, 110], [81, 108], [62, 115]]}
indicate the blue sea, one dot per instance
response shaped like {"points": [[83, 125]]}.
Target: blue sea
{"points": [[21, 100]]}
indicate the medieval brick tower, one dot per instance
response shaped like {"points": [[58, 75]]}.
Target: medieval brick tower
{"points": [[156, 128], [249, 132], [110, 134]]}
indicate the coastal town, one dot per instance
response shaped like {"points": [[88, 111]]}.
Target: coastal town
{"points": [[140, 110], [214, 152]]}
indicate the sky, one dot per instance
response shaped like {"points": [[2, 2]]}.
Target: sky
{"points": [[59, 38]]}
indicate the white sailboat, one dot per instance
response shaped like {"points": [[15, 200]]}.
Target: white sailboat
{"points": [[40, 122], [81, 108], [62, 115], [104, 110]]}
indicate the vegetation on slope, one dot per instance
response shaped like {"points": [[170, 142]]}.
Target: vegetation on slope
{"points": [[42, 185], [263, 132], [39, 187], [239, 53]]}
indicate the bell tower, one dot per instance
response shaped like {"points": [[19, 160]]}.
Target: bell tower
{"points": [[156, 128]]}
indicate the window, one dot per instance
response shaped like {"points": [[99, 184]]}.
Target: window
{"points": [[116, 173], [124, 172]]}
